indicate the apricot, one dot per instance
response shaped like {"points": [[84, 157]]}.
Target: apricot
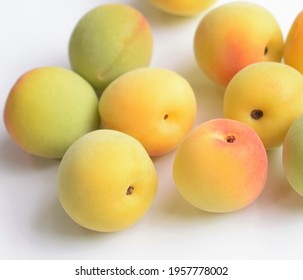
{"points": [[221, 166], [109, 41], [106, 181], [233, 36], [293, 155], [156, 106], [181, 7], [293, 50], [49, 108], [266, 96]]}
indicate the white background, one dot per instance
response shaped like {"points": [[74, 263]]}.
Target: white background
{"points": [[33, 224]]}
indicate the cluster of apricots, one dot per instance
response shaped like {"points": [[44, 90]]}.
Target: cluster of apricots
{"points": [[111, 113]]}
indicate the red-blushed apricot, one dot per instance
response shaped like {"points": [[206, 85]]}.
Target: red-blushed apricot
{"points": [[221, 166], [233, 36]]}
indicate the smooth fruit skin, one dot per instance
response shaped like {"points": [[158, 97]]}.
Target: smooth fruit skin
{"points": [[108, 41], [266, 96], [293, 155], [106, 181], [49, 108], [221, 166], [156, 106], [233, 36], [293, 50], [181, 7]]}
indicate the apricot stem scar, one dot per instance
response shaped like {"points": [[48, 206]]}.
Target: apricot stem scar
{"points": [[130, 190], [256, 114], [230, 139], [266, 50], [165, 116]]}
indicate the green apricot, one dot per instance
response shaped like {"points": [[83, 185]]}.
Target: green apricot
{"points": [[293, 155], [109, 41], [48, 108]]}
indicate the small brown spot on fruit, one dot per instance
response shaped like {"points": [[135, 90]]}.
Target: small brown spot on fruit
{"points": [[230, 138], [130, 190], [256, 114], [165, 117]]}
